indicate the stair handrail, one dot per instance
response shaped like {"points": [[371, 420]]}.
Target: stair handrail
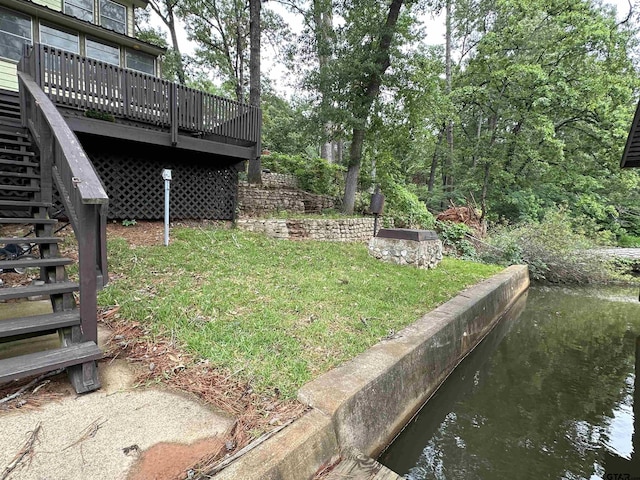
{"points": [[82, 193]]}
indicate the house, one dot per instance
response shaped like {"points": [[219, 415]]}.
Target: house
{"points": [[631, 155], [86, 128]]}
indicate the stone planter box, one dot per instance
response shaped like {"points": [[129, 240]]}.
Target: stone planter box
{"points": [[419, 248]]}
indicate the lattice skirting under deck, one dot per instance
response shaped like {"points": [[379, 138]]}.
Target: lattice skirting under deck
{"points": [[203, 187]]}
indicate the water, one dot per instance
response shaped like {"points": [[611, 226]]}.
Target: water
{"points": [[549, 394]]}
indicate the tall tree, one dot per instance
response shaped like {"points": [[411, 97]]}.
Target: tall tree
{"points": [[166, 10], [367, 49], [221, 29]]}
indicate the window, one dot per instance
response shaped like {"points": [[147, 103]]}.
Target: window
{"points": [[113, 16], [82, 9], [59, 39], [15, 31], [103, 52], [141, 62]]}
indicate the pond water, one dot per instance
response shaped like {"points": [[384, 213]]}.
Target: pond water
{"points": [[549, 394]]}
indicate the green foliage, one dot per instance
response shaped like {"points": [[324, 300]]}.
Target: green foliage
{"points": [[314, 174], [405, 208], [455, 237], [629, 241], [128, 223], [107, 117], [551, 248], [284, 126]]}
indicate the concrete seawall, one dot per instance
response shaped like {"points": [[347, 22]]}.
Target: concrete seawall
{"points": [[364, 403]]}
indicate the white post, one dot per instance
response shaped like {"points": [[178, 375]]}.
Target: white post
{"points": [[166, 175]]}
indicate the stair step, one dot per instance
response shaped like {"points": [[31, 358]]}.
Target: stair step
{"points": [[20, 240], [14, 141], [24, 203], [40, 221], [22, 262], [18, 174], [16, 152], [19, 188], [19, 163], [40, 362], [13, 132], [7, 293], [7, 122], [12, 327]]}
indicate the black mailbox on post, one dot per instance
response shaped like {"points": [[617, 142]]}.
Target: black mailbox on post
{"points": [[377, 203], [376, 207]]}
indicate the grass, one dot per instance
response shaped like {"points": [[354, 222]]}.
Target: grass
{"points": [[277, 313]]}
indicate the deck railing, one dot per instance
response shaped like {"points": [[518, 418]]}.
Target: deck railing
{"points": [[73, 81]]}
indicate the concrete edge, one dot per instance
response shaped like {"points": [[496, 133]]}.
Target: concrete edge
{"points": [[350, 404]]}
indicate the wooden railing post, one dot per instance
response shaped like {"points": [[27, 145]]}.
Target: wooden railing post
{"points": [[173, 113], [87, 256]]}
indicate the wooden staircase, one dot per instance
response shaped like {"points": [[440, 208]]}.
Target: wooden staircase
{"points": [[28, 172]]}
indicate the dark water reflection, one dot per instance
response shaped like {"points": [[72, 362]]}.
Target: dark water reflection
{"points": [[548, 395]]}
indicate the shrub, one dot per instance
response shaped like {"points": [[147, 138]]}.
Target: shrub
{"points": [[455, 237], [314, 174], [629, 241], [553, 251], [404, 207]]}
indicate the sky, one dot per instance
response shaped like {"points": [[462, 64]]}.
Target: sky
{"points": [[277, 73]]}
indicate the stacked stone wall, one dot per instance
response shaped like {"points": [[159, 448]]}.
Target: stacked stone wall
{"points": [[258, 201], [333, 230]]}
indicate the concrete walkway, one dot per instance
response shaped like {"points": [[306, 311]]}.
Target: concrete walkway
{"points": [[106, 434]]}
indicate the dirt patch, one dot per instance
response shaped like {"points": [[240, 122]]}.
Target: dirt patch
{"points": [[167, 461], [150, 233]]}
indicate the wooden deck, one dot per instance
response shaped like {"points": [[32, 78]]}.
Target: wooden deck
{"points": [[103, 99]]}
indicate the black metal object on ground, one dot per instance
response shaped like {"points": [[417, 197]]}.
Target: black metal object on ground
{"points": [[408, 234]]}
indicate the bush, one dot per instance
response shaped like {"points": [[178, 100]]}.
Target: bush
{"points": [[405, 208], [553, 251], [314, 174], [629, 241], [454, 238]]}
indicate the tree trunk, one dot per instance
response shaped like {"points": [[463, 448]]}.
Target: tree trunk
{"points": [[355, 157], [323, 19], [255, 167], [171, 24], [434, 164], [372, 85], [448, 162]]}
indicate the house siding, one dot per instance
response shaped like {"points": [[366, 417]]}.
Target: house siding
{"points": [[52, 4], [8, 76]]}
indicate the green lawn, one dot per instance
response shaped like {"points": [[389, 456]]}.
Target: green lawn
{"points": [[275, 312]]}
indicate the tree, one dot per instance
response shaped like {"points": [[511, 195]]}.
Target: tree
{"points": [[541, 98], [166, 10], [221, 29]]}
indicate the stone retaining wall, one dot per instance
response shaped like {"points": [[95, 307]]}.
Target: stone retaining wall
{"points": [[365, 402], [279, 180], [255, 200], [333, 230]]}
